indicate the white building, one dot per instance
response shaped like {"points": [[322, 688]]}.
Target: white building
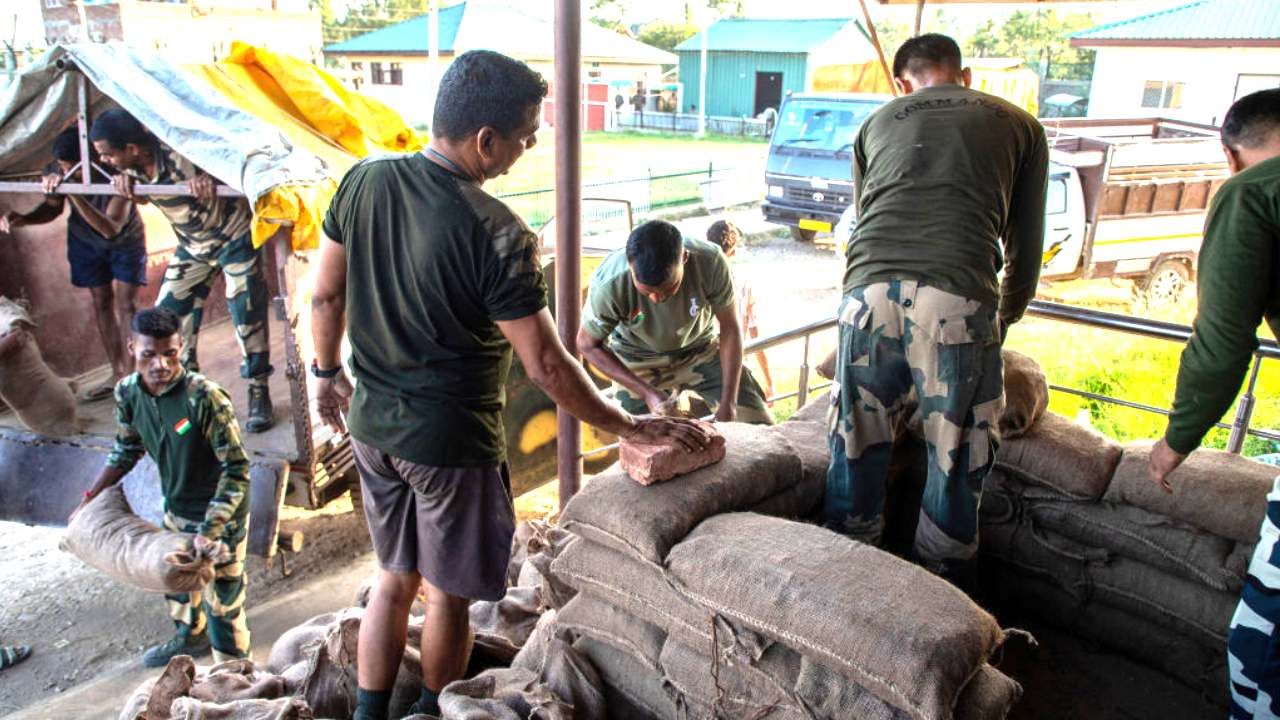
{"points": [[1187, 63], [391, 64]]}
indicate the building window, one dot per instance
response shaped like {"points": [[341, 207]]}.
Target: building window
{"points": [[53, 3], [390, 74], [1162, 94], [1247, 83]]}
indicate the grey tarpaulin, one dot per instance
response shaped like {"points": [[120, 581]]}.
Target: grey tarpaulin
{"points": [[237, 148]]}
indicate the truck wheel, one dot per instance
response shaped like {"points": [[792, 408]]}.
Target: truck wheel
{"points": [[804, 236], [1165, 283]]}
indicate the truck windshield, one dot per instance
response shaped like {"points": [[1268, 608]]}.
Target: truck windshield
{"points": [[820, 125]]}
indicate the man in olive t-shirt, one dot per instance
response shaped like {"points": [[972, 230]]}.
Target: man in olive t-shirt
{"points": [[1238, 287], [650, 325], [440, 281], [950, 187]]}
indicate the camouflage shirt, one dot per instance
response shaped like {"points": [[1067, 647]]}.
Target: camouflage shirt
{"points": [[190, 431], [202, 227]]}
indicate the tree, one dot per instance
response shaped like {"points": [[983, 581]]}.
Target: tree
{"points": [[666, 35], [366, 16], [1042, 39]]}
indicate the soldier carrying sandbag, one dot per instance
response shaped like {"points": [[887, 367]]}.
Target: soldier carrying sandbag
{"points": [[949, 187], [188, 426], [1238, 286]]}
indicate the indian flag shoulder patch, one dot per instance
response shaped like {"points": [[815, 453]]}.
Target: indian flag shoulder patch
{"points": [[182, 426]]}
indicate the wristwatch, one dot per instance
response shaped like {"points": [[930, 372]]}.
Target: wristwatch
{"points": [[325, 374]]}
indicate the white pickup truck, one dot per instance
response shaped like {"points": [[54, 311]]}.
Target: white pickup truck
{"points": [[1126, 198]]}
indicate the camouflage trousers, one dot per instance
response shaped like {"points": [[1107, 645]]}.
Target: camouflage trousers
{"points": [[187, 282], [915, 358], [219, 607], [701, 373]]}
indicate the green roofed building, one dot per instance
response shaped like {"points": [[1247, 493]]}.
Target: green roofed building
{"points": [[1188, 62], [753, 63]]}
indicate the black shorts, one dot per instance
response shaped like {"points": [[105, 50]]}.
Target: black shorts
{"points": [[451, 525], [93, 266]]}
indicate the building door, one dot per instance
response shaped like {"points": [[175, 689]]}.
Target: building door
{"points": [[768, 91]]}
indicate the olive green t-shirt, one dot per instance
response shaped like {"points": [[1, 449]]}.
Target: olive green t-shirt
{"points": [[950, 188], [432, 262], [638, 330], [1238, 286]]}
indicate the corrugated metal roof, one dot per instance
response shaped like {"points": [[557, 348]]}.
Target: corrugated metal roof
{"points": [[1201, 20], [407, 36], [761, 35], [524, 31]]}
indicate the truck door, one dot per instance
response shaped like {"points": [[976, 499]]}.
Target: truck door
{"points": [[1064, 224]]}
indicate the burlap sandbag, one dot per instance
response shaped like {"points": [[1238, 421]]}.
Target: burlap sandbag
{"points": [[503, 626], [637, 587], [106, 535], [717, 687], [646, 521], [587, 615], [632, 690], [1220, 492], [919, 639], [990, 695], [236, 680], [44, 402], [534, 653], [1148, 538], [330, 684], [1182, 656], [1063, 456], [151, 700], [289, 708], [569, 688], [831, 694], [1026, 394], [809, 438], [297, 643]]}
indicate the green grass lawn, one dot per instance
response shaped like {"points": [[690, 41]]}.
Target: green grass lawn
{"points": [[610, 156]]}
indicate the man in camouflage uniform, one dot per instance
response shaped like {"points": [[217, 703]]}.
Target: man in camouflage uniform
{"points": [[213, 234], [187, 424], [650, 326], [950, 185]]}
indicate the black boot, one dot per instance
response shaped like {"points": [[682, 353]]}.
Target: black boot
{"points": [[260, 415]]}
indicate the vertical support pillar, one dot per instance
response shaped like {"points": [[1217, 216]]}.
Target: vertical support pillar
{"points": [[568, 118], [82, 122]]}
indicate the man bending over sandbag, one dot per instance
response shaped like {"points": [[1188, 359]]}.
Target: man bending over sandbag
{"points": [[1238, 287], [950, 187], [650, 326], [186, 422]]}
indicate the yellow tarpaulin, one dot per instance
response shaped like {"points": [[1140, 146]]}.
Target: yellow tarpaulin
{"points": [[1002, 77], [315, 112], [865, 77]]}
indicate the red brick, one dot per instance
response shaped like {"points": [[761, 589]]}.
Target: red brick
{"points": [[649, 463]]}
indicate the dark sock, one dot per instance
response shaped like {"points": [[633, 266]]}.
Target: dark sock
{"points": [[428, 702], [372, 704]]}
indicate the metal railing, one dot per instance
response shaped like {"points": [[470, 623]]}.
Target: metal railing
{"points": [[688, 123], [1158, 329]]}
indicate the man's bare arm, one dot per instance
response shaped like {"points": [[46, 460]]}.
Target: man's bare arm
{"points": [[730, 361], [599, 355]]}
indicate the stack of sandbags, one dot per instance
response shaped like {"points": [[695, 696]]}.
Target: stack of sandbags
{"points": [[1075, 532], [43, 401], [688, 606]]}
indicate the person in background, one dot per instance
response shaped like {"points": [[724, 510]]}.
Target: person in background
{"points": [[650, 326], [1237, 287], [213, 235], [950, 188], [186, 423], [106, 249], [440, 280], [728, 236], [11, 655]]}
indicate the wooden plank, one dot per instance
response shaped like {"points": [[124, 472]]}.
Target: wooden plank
{"points": [[1167, 196], [1139, 199], [1195, 196], [1114, 198]]}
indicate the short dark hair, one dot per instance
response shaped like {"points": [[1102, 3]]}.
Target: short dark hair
{"points": [[66, 147], [718, 233], [653, 249], [922, 52], [1253, 120], [118, 128], [481, 89], [156, 322]]}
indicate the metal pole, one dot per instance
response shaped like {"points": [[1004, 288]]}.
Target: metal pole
{"points": [[702, 82], [1244, 411], [82, 123], [875, 41], [803, 391], [568, 98], [433, 55], [919, 16]]}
